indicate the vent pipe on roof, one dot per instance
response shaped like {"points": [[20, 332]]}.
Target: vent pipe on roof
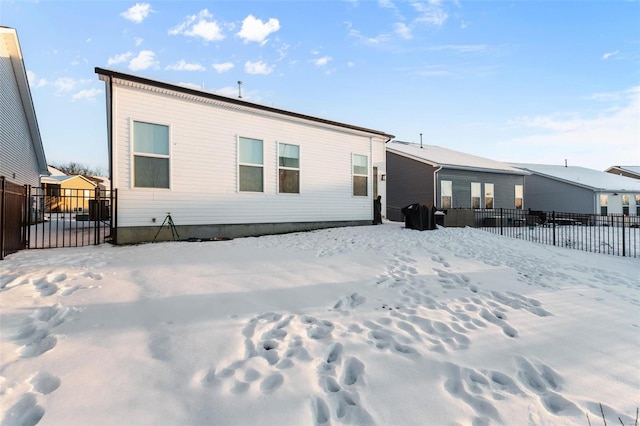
{"points": [[420, 140], [565, 162], [239, 89]]}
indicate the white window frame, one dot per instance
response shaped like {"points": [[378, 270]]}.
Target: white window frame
{"points": [[354, 175], [478, 194], [489, 195], [288, 168], [239, 164], [604, 204], [135, 153], [519, 193], [446, 190]]}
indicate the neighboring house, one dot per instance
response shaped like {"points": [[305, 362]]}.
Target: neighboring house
{"points": [[67, 193], [580, 190], [226, 167], [627, 171], [419, 173], [22, 158]]}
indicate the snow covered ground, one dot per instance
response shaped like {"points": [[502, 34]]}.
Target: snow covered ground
{"points": [[364, 325]]}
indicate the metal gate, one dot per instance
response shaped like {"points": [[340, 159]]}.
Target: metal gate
{"points": [[13, 208], [62, 217]]}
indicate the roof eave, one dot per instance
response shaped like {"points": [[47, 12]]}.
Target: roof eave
{"points": [[235, 101]]}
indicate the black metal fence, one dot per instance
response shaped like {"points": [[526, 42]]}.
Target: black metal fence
{"points": [[612, 234], [63, 217]]}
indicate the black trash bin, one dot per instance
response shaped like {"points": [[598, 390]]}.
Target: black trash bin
{"points": [[419, 216]]}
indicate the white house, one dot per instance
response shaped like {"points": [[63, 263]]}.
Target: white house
{"points": [[22, 158], [572, 189], [226, 167]]}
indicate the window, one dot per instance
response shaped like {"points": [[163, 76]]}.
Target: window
{"points": [[360, 175], [519, 192], [150, 155], [288, 168], [250, 165], [604, 202], [446, 193], [475, 195], [638, 204], [87, 193], [488, 195], [626, 198]]}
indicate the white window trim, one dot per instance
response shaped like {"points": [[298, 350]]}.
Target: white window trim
{"points": [[521, 196], [493, 195], [288, 194], [442, 195], [133, 153], [238, 164], [479, 184], [353, 174]]}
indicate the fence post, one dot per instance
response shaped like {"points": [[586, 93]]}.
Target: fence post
{"points": [[553, 226], [624, 251], [96, 215], [501, 220]]}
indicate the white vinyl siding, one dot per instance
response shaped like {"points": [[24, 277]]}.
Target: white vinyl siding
{"points": [[204, 164], [18, 161]]}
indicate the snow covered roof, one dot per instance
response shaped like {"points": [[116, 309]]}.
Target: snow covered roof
{"points": [[634, 171], [57, 179], [594, 179], [448, 158]]}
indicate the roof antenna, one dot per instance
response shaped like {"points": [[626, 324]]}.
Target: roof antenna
{"points": [[239, 89], [420, 140]]}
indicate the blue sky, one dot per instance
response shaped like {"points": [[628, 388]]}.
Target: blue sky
{"points": [[519, 81]]}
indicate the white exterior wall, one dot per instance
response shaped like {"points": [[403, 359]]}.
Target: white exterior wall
{"points": [[18, 161], [204, 168]]}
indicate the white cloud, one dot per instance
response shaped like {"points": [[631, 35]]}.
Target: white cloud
{"points": [[610, 137], [138, 41], [610, 54], [87, 94], [182, 65], [222, 67], [65, 84], [34, 81], [137, 13], [431, 13], [258, 67], [254, 29], [117, 59], [201, 25], [402, 30], [145, 59], [320, 62]]}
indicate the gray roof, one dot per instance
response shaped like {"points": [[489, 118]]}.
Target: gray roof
{"points": [[581, 176], [448, 158]]}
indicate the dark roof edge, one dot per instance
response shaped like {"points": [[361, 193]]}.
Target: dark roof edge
{"points": [[209, 95]]}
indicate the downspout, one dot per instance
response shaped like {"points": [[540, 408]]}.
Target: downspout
{"points": [[435, 185]]}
